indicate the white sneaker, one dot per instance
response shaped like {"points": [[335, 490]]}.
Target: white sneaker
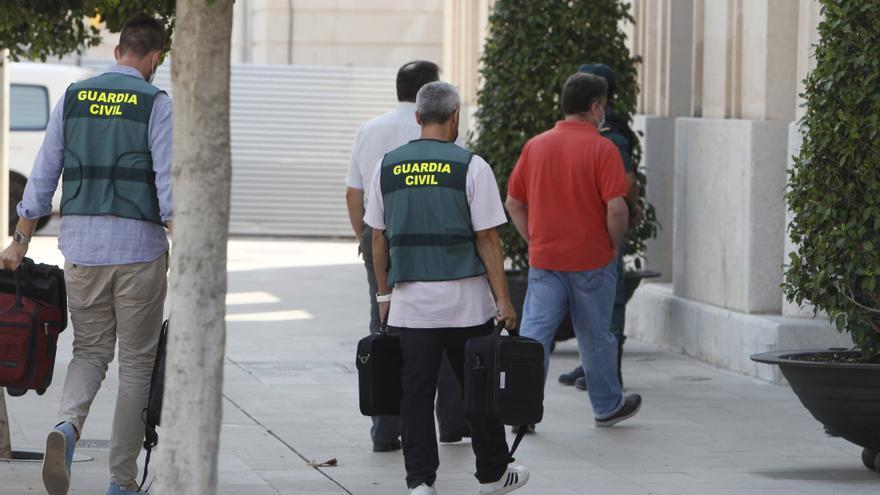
{"points": [[423, 489], [515, 477]]}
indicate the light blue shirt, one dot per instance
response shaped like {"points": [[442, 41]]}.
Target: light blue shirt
{"points": [[103, 240]]}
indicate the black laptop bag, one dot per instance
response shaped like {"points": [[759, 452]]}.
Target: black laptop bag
{"points": [[379, 361], [504, 379]]}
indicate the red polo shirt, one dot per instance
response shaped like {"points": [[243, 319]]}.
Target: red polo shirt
{"points": [[566, 176]]}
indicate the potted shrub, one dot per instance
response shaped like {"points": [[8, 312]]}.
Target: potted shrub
{"points": [[834, 197], [532, 48]]}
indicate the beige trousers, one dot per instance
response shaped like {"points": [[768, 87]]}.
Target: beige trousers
{"points": [[107, 304]]}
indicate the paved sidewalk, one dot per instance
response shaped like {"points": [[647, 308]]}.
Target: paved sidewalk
{"points": [[298, 308]]}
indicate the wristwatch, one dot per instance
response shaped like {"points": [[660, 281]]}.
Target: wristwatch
{"points": [[20, 238], [383, 299]]}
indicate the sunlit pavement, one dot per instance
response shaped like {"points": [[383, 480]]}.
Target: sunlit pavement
{"points": [[296, 310]]}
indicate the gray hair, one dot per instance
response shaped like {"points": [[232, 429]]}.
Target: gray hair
{"points": [[436, 102]]}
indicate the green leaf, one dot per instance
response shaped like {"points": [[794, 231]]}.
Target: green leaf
{"points": [[834, 185]]}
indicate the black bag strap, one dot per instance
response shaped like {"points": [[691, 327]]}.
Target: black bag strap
{"points": [[18, 278], [516, 441], [151, 437]]}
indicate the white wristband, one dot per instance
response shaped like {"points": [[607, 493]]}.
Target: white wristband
{"points": [[383, 299]]}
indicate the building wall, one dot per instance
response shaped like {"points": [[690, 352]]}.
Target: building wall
{"points": [[734, 131], [719, 81], [356, 33], [360, 33]]}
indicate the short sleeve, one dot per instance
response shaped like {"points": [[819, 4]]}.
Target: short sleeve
{"points": [[484, 200], [516, 187], [375, 215], [354, 178], [611, 176]]}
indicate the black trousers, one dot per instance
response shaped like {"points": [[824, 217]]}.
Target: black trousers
{"points": [[423, 350], [450, 405]]}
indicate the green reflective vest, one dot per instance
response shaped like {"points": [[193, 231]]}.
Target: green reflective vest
{"points": [[108, 167], [427, 216]]}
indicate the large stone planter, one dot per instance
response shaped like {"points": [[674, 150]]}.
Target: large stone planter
{"points": [[845, 397]]}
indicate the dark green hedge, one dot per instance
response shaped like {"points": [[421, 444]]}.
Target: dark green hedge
{"points": [[532, 48], [834, 190]]}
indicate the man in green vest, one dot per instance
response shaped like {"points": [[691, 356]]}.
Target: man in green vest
{"points": [[434, 208], [109, 141]]}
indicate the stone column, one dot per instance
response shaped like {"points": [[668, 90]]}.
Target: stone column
{"points": [[466, 25], [664, 37], [809, 17]]}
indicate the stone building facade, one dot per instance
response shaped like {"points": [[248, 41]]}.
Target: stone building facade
{"points": [[362, 33], [357, 33], [719, 99]]}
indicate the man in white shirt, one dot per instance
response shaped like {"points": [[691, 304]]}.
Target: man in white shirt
{"points": [[373, 140], [437, 206]]}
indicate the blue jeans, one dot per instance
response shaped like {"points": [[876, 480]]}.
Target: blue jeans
{"points": [[589, 296]]}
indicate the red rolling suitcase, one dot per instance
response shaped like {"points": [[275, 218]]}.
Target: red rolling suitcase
{"points": [[32, 314]]}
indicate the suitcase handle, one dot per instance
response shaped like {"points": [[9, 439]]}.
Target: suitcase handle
{"points": [[17, 275]]}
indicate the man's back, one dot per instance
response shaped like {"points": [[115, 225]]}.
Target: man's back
{"points": [[378, 136], [566, 176]]}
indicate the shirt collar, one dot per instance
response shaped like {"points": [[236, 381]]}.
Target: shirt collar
{"points": [[406, 106], [124, 69], [575, 125]]}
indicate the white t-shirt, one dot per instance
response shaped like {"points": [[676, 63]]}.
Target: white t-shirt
{"points": [[375, 138], [456, 303], [378, 136]]}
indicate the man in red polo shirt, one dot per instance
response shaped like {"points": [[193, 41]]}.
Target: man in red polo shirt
{"points": [[566, 198]]}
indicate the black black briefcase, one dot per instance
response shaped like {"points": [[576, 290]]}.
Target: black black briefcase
{"points": [[379, 361], [504, 378]]}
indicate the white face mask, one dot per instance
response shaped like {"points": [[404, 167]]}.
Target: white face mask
{"points": [[601, 123], [153, 72]]}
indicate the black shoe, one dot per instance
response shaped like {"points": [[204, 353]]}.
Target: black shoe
{"points": [[631, 406], [387, 447], [571, 377], [581, 383]]}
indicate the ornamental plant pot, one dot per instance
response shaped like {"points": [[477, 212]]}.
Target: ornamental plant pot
{"points": [[840, 390]]}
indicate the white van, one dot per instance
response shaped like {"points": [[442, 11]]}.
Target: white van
{"points": [[34, 89]]}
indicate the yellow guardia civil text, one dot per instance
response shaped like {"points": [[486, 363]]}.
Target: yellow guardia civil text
{"points": [[421, 174], [107, 103]]}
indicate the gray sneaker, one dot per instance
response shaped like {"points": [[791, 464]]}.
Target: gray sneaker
{"points": [[631, 406]]}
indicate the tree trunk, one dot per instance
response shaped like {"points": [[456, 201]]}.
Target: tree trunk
{"points": [[191, 418]]}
